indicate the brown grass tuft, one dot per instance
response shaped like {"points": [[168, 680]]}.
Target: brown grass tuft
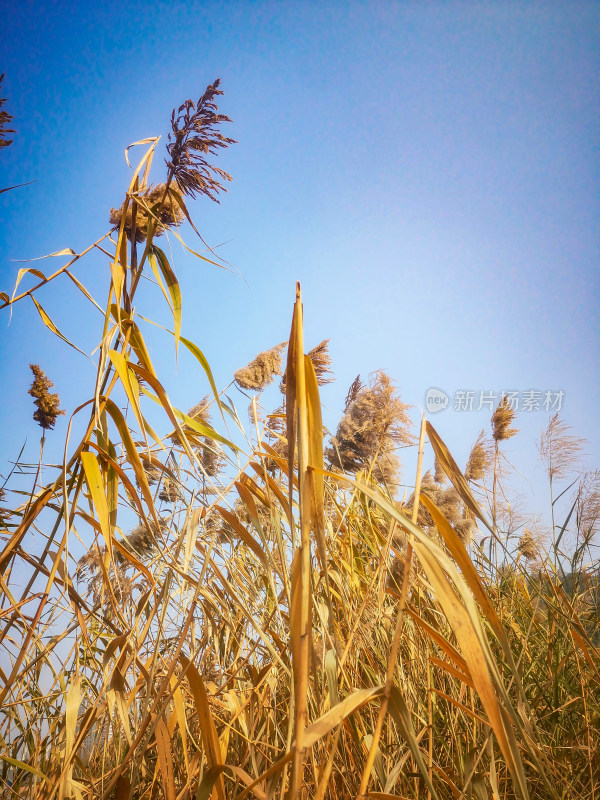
{"points": [[47, 403]]}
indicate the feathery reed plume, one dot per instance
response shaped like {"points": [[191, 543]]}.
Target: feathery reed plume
{"points": [[47, 403], [529, 546], [210, 457], [153, 473], [199, 413], [588, 505], [321, 361], [502, 419], [431, 489], [157, 205], [196, 133], [261, 370], [480, 459], [438, 472], [449, 503], [89, 567], [353, 391], [375, 423], [142, 539], [275, 426], [169, 491], [396, 570], [5, 119], [465, 527], [558, 449]]}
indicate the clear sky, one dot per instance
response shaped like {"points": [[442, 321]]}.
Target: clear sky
{"points": [[428, 170]]}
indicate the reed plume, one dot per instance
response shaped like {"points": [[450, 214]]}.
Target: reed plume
{"points": [[465, 527], [558, 449], [353, 391], [195, 134], [438, 472], [261, 370], [480, 460], [588, 505], [321, 361], [502, 419], [5, 119], [47, 403], [374, 424], [157, 206], [529, 546]]}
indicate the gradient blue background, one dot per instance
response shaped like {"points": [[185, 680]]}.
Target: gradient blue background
{"points": [[428, 171]]}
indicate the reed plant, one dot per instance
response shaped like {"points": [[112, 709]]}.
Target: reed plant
{"points": [[190, 609]]}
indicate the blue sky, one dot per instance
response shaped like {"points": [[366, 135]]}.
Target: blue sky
{"points": [[428, 171]]}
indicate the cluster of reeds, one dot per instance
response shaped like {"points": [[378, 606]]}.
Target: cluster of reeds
{"points": [[185, 615]]}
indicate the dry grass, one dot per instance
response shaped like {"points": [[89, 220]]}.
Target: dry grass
{"points": [[271, 629]]}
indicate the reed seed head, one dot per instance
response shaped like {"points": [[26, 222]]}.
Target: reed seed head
{"points": [[502, 419], [195, 134], [480, 459], [353, 391], [588, 505], [529, 545], [321, 361], [559, 450], [142, 539], [46, 402], [153, 473], [374, 424], [261, 370], [5, 119], [465, 527], [155, 205], [169, 492], [438, 472]]}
